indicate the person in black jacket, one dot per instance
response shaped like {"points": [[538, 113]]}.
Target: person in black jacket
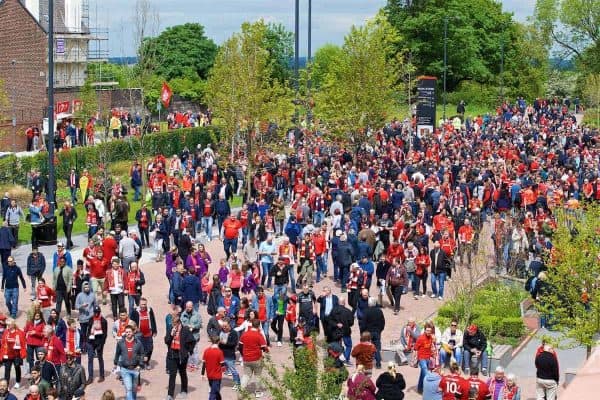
{"points": [[72, 379], [96, 332], [36, 265], [390, 384], [438, 271], [374, 321], [547, 373], [344, 257], [475, 343], [228, 342], [339, 326], [180, 344]]}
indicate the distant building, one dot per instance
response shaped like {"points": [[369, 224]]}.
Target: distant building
{"points": [[23, 58]]}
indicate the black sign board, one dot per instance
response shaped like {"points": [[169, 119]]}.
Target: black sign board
{"points": [[426, 103]]}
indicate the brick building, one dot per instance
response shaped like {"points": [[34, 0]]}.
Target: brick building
{"points": [[23, 60]]}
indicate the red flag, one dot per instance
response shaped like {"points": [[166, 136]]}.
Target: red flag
{"points": [[165, 95]]}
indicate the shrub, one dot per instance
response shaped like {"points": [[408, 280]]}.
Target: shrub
{"points": [[474, 93], [14, 170], [448, 310], [511, 327], [487, 324]]}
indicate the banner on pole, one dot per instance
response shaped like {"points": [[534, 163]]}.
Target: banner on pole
{"points": [[165, 95]]}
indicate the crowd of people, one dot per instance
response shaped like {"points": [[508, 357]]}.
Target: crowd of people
{"points": [[394, 216]]}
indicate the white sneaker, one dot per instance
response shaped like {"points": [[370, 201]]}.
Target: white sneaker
{"points": [[423, 295], [440, 298], [416, 297], [17, 386], [432, 296], [258, 395], [279, 344]]}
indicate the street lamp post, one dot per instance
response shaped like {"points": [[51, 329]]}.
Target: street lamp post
{"points": [[308, 65], [51, 194], [296, 53], [502, 67], [445, 61]]}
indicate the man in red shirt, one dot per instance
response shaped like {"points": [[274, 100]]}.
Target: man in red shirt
{"points": [[252, 345], [478, 390], [213, 362], [465, 241], [231, 232], [454, 386]]}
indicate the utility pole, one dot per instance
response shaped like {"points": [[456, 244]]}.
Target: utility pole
{"points": [[51, 194], [445, 60], [296, 54], [308, 66], [502, 67]]}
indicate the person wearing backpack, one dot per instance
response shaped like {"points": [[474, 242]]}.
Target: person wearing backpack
{"points": [[397, 280]]}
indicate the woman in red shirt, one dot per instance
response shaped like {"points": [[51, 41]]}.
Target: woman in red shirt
{"points": [[422, 262], [13, 350], [34, 335]]}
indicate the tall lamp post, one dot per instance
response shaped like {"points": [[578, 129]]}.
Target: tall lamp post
{"points": [[309, 67], [51, 194], [296, 53], [445, 61]]}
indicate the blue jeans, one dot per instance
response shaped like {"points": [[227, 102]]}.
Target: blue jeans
{"points": [[207, 222], [344, 272], [412, 278], [445, 357], [136, 193], [318, 218], [215, 389], [245, 232], [11, 296], [279, 289], [347, 347], [438, 279], [220, 221], [376, 340], [73, 194], [424, 367], [130, 380], [483, 360], [230, 246], [230, 365], [266, 269], [265, 328], [321, 266], [292, 278]]}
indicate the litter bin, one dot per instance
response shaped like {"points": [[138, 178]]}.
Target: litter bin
{"points": [[44, 234]]}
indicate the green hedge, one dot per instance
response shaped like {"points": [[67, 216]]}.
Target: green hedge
{"points": [[494, 307], [14, 170]]}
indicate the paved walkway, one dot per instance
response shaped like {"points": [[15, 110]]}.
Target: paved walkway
{"points": [[156, 288]]}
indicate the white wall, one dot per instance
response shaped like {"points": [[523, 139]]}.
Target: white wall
{"points": [[34, 8], [73, 15]]}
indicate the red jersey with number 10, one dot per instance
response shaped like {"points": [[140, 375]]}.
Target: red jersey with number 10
{"points": [[453, 386]]}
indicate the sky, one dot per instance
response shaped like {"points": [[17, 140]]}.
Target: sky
{"points": [[332, 19]]}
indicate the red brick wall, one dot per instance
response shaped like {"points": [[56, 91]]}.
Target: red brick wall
{"points": [[24, 41]]}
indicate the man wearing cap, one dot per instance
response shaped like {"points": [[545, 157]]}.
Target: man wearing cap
{"points": [[72, 379], [61, 252], [95, 333], [475, 343], [10, 286], [62, 281]]}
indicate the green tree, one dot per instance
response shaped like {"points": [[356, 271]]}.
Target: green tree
{"points": [[591, 94], [179, 51], [365, 79], [574, 25], [280, 44], [241, 89], [572, 300], [323, 61], [476, 31], [89, 101]]}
